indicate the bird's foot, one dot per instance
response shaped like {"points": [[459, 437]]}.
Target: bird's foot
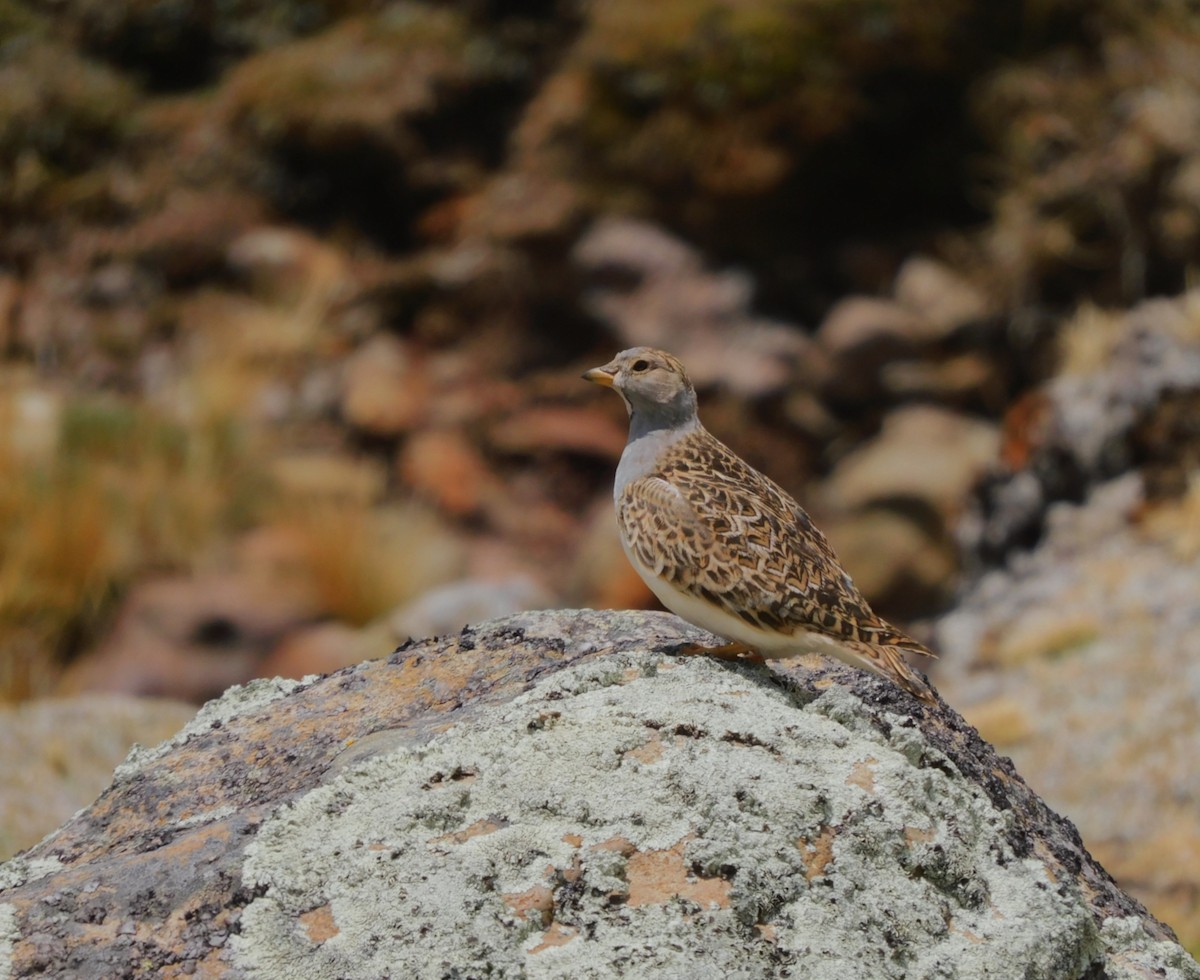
{"points": [[740, 652]]}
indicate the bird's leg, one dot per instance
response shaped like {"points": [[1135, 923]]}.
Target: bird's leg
{"points": [[727, 651]]}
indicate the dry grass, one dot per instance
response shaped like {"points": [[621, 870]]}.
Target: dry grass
{"points": [[99, 492], [109, 490]]}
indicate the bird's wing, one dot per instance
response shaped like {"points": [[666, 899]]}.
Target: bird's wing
{"points": [[716, 528]]}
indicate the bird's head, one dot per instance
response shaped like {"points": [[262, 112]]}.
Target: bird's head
{"points": [[653, 384]]}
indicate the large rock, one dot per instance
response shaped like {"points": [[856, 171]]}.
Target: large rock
{"points": [[555, 794]]}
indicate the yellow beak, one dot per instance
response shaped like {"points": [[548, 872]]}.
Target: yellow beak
{"points": [[601, 376]]}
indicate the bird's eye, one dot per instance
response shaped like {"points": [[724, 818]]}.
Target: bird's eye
{"points": [[640, 365]]}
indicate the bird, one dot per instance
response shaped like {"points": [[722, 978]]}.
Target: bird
{"points": [[725, 547]]}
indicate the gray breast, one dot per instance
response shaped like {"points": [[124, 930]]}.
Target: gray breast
{"points": [[642, 454]]}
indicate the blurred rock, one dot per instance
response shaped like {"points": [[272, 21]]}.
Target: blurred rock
{"points": [[61, 753], [601, 576], [670, 300], [544, 428], [968, 379], [895, 344], [189, 638], [495, 558], [467, 392], [942, 298], [526, 513], [810, 415], [858, 325], [367, 121], [863, 336], [61, 118], [443, 466], [190, 44], [898, 565], [922, 454], [324, 648], [1127, 396], [187, 237], [476, 267], [449, 608], [384, 392], [1090, 157], [1004, 721], [362, 561], [521, 207], [274, 553], [288, 263], [1081, 657], [234, 336], [356, 82]]}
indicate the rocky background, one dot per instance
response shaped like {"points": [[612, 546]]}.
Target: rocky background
{"points": [[294, 299]]}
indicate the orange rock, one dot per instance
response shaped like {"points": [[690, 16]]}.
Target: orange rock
{"points": [[590, 431], [657, 877], [1026, 424], [443, 466], [320, 649], [384, 392], [601, 576]]}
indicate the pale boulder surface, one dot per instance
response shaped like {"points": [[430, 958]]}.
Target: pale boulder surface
{"points": [[557, 795]]}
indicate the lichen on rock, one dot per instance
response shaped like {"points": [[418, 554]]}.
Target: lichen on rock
{"points": [[560, 794], [672, 818]]}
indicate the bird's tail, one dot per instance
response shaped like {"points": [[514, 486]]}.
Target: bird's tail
{"points": [[887, 660]]}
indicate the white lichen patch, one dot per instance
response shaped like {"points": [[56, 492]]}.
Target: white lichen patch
{"points": [[240, 699], [623, 821], [206, 817], [1132, 955], [9, 934], [19, 870]]}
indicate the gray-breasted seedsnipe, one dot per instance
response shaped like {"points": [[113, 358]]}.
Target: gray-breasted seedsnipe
{"points": [[725, 547]]}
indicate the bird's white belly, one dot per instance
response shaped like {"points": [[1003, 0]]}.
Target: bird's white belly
{"points": [[700, 613]]}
